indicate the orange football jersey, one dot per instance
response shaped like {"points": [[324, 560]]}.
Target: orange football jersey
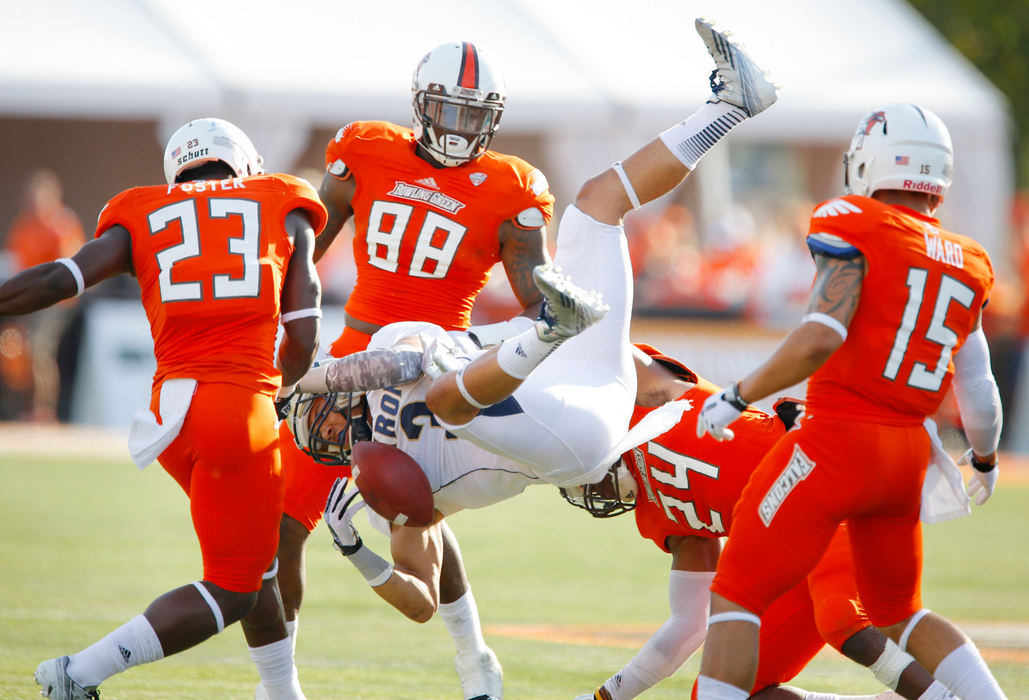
{"points": [[689, 485], [426, 238], [920, 298], [210, 257]]}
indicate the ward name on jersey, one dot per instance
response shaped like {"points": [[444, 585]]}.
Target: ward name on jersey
{"points": [[923, 292]]}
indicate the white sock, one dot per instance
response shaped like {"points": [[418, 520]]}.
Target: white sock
{"points": [[291, 629], [627, 684], [462, 620], [690, 139], [936, 691], [521, 354], [966, 674], [710, 689], [278, 673], [132, 644]]}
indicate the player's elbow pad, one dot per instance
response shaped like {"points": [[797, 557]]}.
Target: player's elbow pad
{"points": [[977, 394]]}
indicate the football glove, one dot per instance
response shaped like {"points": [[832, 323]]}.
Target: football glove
{"points": [[718, 412], [982, 484], [282, 399], [342, 505], [789, 411]]}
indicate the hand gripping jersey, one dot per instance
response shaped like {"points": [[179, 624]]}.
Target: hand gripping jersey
{"points": [[210, 257], [426, 238], [920, 298], [689, 485]]}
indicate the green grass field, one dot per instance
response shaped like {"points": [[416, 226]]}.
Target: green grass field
{"points": [[87, 542]]}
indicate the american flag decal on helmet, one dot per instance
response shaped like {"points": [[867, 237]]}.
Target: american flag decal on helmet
{"points": [[468, 77]]}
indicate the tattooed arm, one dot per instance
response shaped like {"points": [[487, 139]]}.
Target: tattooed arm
{"points": [[521, 250], [834, 298]]}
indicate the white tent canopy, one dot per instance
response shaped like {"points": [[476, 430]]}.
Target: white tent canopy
{"points": [[595, 76]]}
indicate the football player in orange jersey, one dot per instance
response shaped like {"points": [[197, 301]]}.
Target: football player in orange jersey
{"points": [[433, 211], [570, 405], [894, 317], [222, 254], [682, 489]]}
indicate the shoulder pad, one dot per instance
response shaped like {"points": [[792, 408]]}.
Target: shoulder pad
{"points": [[538, 182], [836, 207], [338, 168], [530, 218], [342, 131], [832, 245]]}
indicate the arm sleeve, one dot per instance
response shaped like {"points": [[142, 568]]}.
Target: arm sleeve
{"points": [[689, 598], [977, 394], [364, 371]]}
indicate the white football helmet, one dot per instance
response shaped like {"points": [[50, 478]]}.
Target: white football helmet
{"points": [[308, 414], [458, 97], [899, 147], [210, 139]]}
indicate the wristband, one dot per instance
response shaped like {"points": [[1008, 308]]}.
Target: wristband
{"points": [[982, 467], [348, 549], [76, 272], [732, 395]]}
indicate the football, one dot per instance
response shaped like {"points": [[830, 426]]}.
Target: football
{"points": [[392, 484]]}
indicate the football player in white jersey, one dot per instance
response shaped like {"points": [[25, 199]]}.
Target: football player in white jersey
{"points": [[562, 421]]}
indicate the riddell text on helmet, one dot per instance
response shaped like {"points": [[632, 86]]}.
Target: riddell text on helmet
{"points": [[922, 187]]}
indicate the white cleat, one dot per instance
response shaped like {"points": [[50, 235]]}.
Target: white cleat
{"points": [[481, 676], [567, 309], [53, 676], [736, 79]]}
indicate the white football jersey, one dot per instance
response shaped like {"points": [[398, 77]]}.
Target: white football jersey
{"points": [[462, 474], [565, 425]]}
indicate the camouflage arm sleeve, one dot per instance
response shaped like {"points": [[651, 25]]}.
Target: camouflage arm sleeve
{"points": [[365, 371]]}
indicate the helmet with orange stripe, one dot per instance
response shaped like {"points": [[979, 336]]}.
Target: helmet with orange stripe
{"points": [[458, 98]]}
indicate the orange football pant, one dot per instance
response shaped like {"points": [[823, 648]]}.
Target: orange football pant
{"points": [[307, 482], [814, 478], [824, 608], [226, 459]]}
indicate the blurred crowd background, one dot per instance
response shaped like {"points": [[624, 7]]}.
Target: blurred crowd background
{"points": [[724, 253]]}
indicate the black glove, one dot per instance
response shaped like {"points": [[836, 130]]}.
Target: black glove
{"points": [[789, 411], [282, 402]]}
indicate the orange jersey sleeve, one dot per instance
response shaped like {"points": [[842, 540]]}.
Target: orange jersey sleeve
{"points": [[689, 485], [210, 257], [923, 291], [426, 238]]}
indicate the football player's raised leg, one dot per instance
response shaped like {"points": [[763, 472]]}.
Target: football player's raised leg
{"points": [[593, 252], [739, 89]]}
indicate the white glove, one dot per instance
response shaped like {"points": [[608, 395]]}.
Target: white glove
{"points": [[439, 357], [340, 508], [587, 696], [718, 412], [982, 484]]}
